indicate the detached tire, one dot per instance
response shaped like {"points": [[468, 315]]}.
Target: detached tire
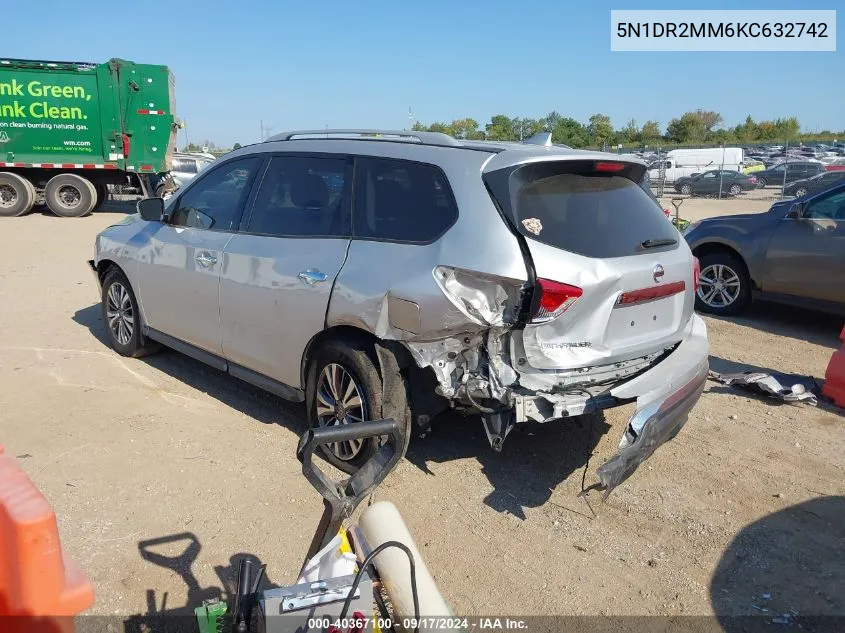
{"points": [[121, 317], [70, 196], [343, 386], [17, 195], [724, 287]]}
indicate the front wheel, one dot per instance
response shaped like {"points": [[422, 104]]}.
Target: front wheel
{"points": [[761, 183], [800, 192], [724, 287], [122, 318], [343, 386], [686, 189], [735, 190]]}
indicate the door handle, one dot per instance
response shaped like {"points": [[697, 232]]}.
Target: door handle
{"points": [[312, 276], [205, 259]]}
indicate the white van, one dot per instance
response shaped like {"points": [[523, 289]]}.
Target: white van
{"points": [[686, 162]]}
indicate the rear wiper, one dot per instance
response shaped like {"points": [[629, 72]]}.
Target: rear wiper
{"points": [[663, 241]]}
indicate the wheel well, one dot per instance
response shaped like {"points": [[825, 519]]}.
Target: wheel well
{"points": [[103, 268], [711, 248]]}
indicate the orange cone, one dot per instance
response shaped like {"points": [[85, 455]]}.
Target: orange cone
{"points": [[40, 588], [834, 377]]}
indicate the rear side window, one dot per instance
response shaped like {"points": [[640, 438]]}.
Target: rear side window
{"points": [[571, 206], [302, 196], [401, 201]]}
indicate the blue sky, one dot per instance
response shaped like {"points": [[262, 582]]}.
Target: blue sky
{"points": [[362, 64]]}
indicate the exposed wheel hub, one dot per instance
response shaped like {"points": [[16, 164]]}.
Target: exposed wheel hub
{"points": [[8, 196]]}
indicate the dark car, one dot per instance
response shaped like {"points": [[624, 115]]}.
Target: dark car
{"points": [[819, 182], [709, 183], [793, 253], [793, 170]]}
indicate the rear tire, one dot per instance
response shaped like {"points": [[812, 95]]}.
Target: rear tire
{"points": [[724, 287], [17, 195], [735, 190], [102, 195], [329, 397], [70, 196], [122, 318], [686, 189], [800, 192], [761, 183]]}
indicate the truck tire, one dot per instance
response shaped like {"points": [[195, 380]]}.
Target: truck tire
{"points": [[17, 195], [102, 195], [70, 196]]}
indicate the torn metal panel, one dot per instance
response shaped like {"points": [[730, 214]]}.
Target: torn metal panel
{"points": [[485, 300], [801, 389], [665, 395]]}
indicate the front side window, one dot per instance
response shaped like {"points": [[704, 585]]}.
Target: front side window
{"points": [[401, 201], [302, 196], [215, 201], [829, 207]]}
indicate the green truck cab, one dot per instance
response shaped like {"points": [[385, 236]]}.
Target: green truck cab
{"points": [[70, 129]]}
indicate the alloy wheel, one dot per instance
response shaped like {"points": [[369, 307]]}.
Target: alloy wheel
{"points": [[718, 286], [340, 401], [119, 312], [800, 192]]}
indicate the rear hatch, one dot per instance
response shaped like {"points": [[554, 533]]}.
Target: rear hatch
{"points": [[613, 278]]}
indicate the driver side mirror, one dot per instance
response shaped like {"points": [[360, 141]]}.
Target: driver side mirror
{"points": [[797, 211], [151, 209]]}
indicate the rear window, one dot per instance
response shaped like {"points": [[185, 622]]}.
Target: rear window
{"points": [[571, 206], [185, 165]]}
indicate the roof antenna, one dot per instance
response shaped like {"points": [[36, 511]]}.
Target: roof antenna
{"points": [[540, 138]]}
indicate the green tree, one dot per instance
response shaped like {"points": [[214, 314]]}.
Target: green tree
{"points": [[630, 133], [237, 146], [500, 128], [600, 129], [570, 132], [464, 128], [650, 132]]}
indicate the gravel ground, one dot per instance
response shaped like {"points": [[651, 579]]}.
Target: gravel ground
{"points": [[747, 501]]}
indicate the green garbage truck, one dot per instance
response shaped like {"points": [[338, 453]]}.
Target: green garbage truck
{"points": [[68, 130]]}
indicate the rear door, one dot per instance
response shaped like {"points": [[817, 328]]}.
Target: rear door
{"points": [[280, 269], [616, 276]]}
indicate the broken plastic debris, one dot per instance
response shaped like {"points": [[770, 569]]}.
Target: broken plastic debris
{"points": [[533, 225], [767, 384]]}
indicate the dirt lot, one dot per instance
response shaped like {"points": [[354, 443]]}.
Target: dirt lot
{"points": [[748, 500]]}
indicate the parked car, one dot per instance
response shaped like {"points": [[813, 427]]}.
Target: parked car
{"points": [[835, 164], [794, 170], [752, 165], [187, 166], [794, 253], [370, 302], [710, 183], [819, 182]]}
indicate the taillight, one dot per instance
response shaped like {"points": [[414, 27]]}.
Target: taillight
{"points": [[554, 299], [125, 146], [696, 271]]}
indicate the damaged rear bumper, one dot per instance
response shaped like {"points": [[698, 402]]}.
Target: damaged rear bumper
{"points": [[665, 395]]}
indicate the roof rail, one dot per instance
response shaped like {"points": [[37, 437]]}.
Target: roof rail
{"points": [[425, 138]]}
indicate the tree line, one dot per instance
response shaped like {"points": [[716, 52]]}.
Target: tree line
{"points": [[698, 127]]}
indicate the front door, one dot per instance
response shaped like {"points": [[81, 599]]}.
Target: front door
{"points": [[806, 256], [179, 269], [279, 270]]}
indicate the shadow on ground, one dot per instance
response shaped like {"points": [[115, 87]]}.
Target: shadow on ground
{"points": [[536, 457], [787, 568], [535, 460], [178, 553], [793, 322]]}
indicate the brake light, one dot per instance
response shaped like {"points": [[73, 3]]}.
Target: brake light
{"points": [[554, 299], [696, 272], [125, 146], [609, 167]]}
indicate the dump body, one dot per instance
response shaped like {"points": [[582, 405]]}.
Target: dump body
{"points": [[77, 116]]}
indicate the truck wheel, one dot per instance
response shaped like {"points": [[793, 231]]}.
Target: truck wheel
{"points": [[17, 195], [70, 196], [102, 195]]}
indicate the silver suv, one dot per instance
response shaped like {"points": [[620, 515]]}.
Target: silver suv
{"points": [[399, 274]]}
